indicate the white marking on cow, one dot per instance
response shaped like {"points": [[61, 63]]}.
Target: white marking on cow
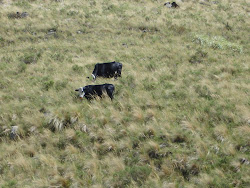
{"points": [[81, 92]]}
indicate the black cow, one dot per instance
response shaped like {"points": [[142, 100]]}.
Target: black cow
{"points": [[90, 91], [107, 70]]}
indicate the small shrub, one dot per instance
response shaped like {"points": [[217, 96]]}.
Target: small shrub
{"points": [[28, 59], [48, 84]]}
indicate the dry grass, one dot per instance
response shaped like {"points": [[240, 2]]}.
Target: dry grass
{"points": [[180, 115]]}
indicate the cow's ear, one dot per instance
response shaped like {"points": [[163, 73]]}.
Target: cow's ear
{"points": [[77, 90]]}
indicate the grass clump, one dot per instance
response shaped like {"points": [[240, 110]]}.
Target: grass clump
{"points": [[217, 42], [136, 173]]}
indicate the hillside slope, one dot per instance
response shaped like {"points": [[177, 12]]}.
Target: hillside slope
{"points": [[180, 115]]}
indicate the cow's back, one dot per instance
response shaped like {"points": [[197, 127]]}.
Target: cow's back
{"points": [[99, 90], [111, 69], [106, 69], [109, 87]]}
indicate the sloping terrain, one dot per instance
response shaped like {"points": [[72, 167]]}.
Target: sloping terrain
{"points": [[180, 115]]}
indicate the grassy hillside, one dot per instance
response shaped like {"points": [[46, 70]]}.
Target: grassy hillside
{"points": [[180, 115]]}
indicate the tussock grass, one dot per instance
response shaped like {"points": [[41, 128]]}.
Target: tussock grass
{"points": [[180, 115]]}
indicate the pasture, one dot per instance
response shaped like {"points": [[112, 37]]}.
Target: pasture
{"points": [[180, 115]]}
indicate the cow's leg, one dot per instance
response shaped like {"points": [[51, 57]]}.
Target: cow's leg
{"points": [[115, 76], [119, 71], [89, 97], [111, 96]]}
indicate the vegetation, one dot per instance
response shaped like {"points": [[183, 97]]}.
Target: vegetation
{"points": [[180, 115]]}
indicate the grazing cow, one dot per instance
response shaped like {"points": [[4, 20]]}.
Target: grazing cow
{"points": [[107, 70], [90, 91], [171, 5]]}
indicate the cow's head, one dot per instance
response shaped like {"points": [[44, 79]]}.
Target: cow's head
{"points": [[81, 92], [94, 77]]}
